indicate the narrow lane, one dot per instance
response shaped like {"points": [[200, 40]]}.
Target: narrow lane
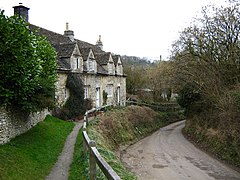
{"points": [[167, 155]]}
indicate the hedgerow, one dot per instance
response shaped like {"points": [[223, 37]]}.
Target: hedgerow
{"points": [[27, 67]]}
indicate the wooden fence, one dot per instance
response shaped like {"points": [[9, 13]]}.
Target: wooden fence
{"points": [[94, 156], [157, 107], [89, 145]]}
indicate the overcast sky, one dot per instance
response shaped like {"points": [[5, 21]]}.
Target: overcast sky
{"points": [[144, 28]]}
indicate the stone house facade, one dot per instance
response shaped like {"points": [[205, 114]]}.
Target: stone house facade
{"points": [[100, 71]]}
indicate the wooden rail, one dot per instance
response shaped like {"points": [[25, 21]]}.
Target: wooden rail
{"points": [[94, 155], [163, 107]]}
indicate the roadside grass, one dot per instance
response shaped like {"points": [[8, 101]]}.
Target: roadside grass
{"points": [[221, 148], [114, 128], [33, 154]]}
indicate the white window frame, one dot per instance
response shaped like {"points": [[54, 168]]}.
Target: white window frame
{"points": [[86, 92], [110, 70], [90, 65], [110, 90]]}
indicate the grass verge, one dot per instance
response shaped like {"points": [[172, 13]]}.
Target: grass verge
{"points": [[222, 148], [114, 128], [33, 154]]}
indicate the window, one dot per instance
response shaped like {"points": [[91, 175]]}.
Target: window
{"points": [[90, 65], [78, 63], [86, 92], [110, 90], [66, 93], [110, 68]]}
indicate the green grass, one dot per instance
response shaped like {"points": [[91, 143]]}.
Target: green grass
{"points": [[224, 149], [79, 167], [33, 154]]}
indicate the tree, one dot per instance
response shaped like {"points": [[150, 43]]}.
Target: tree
{"points": [[208, 53], [160, 80], [212, 43], [135, 79], [27, 67], [207, 69]]}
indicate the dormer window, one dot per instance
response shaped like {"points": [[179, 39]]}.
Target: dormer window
{"points": [[78, 63], [90, 65], [110, 68]]}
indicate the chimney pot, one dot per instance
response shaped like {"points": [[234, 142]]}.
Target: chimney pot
{"points": [[21, 11], [69, 33]]}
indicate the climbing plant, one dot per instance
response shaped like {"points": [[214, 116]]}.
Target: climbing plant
{"points": [[75, 105], [105, 96]]}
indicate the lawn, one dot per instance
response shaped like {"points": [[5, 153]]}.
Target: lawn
{"points": [[33, 154]]}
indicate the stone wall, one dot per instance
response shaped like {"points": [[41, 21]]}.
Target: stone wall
{"points": [[14, 124], [61, 92], [93, 81]]}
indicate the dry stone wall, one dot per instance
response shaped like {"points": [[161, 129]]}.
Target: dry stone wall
{"points": [[14, 124]]}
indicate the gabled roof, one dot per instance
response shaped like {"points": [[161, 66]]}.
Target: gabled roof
{"points": [[56, 38], [65, 47], [65, 50], [82, 44], [115, 59], [85, 52], [102, 58], [101, 70], [64, 63], [53, 37]]}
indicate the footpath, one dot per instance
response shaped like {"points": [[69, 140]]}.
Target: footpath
{"points": [[61, 167]]}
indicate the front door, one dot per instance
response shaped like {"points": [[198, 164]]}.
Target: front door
{"points": [[97, 97]]}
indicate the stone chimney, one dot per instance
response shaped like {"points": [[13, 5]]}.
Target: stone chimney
{"points": [[99, 43], [21, 11], [69, 33]]}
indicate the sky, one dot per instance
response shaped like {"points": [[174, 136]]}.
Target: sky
{"points": [[143, 28]]}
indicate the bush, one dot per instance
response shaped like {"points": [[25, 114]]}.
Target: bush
{"points": [[123, 125], [27, 68]]}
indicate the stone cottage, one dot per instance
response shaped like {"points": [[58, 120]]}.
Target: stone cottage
{"points": [[100, 71]]}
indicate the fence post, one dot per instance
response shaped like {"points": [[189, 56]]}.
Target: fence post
{"points": [[84, 142], [93, 170], [86, 117]]}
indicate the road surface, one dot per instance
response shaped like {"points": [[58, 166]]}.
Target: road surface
{"points": [[167, 155]]}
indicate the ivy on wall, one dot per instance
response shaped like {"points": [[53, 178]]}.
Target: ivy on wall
{"points": [[76, 105]]}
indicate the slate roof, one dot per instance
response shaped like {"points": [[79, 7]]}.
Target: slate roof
{"points": [[64, 47], [56, 38], [83, 44], [64, 64], [53, 37], [85, 52], [101, 70], [64, 50], [102, 58], [115, 59]]}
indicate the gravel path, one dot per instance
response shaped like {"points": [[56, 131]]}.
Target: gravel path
{"points": [[167, 155], [60, 169]]}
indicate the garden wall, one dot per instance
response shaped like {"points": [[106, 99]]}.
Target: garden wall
{"points": [[14, 124]]}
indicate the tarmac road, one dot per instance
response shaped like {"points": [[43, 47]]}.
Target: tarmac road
{"points": [[167, 155]]}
